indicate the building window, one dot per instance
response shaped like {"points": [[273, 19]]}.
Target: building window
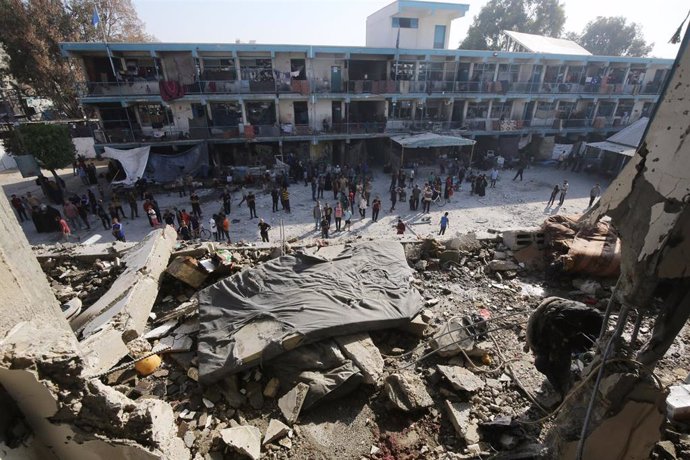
{"points": [[440, 37], [219, 69], [483, 72], [508, 72], [154, 115], [406, 23], [477, 110], [501, 110]]}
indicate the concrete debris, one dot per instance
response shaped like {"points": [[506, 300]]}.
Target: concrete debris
{"points": [[466, 242], [452, 338], [665, 450], [161, 330], [286, 443], [272, 387], [421, 265], [275, 431], [406, 391], [461, 379], [503, 265], [459, 414], [246, 440], [516, 239], [417, 327], [72, 307], [678, 403], [362, 351], [187, 270], [590, 287], [291, 403]]}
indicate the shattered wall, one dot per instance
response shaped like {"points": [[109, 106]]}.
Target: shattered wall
{"points": [[649, 200]]}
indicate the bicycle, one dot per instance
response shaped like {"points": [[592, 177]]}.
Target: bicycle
{"points": [[440, 202], [203, 234]]}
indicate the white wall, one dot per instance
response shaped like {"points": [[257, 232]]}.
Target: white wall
{"points": [[380, 30], [182, 112], [6, 161]]}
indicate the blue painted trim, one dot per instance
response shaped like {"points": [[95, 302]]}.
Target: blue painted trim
{"points": [[434, 6], [90, 47]]}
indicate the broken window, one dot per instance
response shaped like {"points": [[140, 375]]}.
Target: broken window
{"points": [[501, 110], [401, 110], [141, 69], [226, 113], [478, 110], [402, 70], [259, 74], [261, 113], [301, 112], [298, 69]]}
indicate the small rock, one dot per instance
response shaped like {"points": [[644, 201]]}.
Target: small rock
{"points": [[406, 391], [461, 378], [276, 430], [193, 373], [189, 439], [374, 450], [286, 443], [272, 387]]}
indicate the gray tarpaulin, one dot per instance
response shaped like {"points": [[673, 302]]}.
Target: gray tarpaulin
{"points": [[167, 168], [262, 312]]}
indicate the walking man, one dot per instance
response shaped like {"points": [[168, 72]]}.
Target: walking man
{"points": [[347, 215], [65, 231], [338, 216], [554, 193], [227, 200], [564, 190], [416, 193], [375, 208], [394, 198], [363, 207], [594, 194], [444, 224], [263, 230], [521, 169], [286, 199], [324, 227], [132, 201]]}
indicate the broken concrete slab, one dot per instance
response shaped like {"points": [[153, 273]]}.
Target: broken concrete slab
{"points": [[127, 304], [291, 403], [244, 439], [187, 270], [406, 391], [452, 338], [461, 379], [518, 238], [84, 253], [459, 414], [276, 430], [465, 242], [678, 403], [362, 351]]}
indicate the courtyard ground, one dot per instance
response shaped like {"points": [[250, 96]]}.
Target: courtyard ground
{"points": [[510, 204]]}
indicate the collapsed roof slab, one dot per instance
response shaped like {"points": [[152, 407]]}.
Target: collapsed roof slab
{"points": [[127, 304]]}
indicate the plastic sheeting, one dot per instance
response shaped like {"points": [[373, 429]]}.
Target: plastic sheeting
{"points": [[260, 313], [428, 140], [140, 162], [167, 168], [133, 162]]}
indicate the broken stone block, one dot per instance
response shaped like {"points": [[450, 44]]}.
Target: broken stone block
{"points": [[451, 339], [503, 266], [291, 403], [467, 242], [678, 403], [276, 430], [244, 439], [417, 327], [286, 443], [459, 414], [407, 392], [272, 387], [362, 351], [187, 270], [461, 379]]}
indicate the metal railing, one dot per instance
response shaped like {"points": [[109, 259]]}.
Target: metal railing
{"points": [[389, 87]]}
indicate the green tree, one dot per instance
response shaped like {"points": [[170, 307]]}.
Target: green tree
{"points": [[613, 36], [542, 17], [30, 33], [50, 144]]}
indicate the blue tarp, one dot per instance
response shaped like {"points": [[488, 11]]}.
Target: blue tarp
{"points": [[166, 168]]}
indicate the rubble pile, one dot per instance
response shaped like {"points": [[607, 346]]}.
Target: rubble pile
{"points": [[454, 382]]}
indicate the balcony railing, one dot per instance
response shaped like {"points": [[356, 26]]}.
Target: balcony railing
{"points": [[354, 87]]}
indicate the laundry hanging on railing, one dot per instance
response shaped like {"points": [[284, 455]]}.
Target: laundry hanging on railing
{"points": [[171, 90]]}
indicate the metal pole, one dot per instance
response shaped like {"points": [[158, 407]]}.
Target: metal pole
{"points": [[472, 154]]}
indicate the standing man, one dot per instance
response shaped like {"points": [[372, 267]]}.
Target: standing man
{"points": [[65, 231], [316, 213], [564, 191], [285, 195], [328, 213], [72, 214], [275, 196], [314, 184], [263, 230], [132, 200], [394, 198], [227, 200], [375, 208], [338, 215], [594, 194], [213, 226], [428, 194], [347, 215], [251, 203], [196, 205], [324, 227], [363, 207], [444, 224], [494, 177], [416, 193], [19, 207]]}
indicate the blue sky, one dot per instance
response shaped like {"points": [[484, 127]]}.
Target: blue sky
{"points": [[342, 22]]}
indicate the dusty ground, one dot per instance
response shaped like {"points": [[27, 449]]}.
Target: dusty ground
{"points": [[510, 204]]}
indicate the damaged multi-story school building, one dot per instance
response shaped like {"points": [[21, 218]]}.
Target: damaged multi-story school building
{"points": [[562, 341]]}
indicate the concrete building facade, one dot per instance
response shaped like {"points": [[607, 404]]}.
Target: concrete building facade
{"points": [[341, 104]]}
